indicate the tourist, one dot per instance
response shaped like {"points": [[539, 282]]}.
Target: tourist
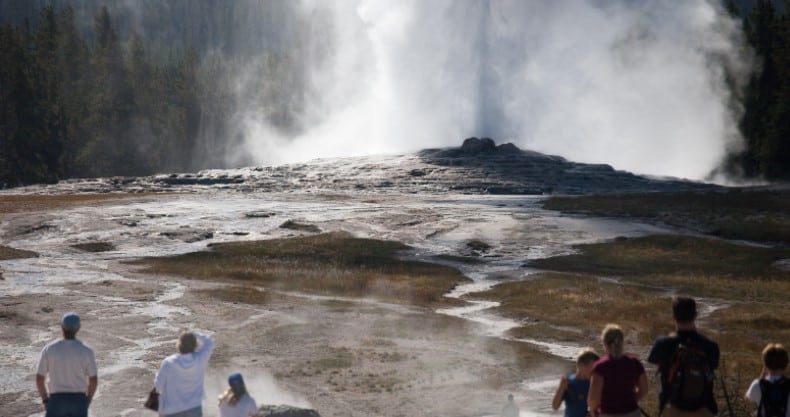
{"points": [[618, 381], [510, 409], [70, 367], [686, 361], [771, 391], [179, 380], [236, 401], [575, 386]]}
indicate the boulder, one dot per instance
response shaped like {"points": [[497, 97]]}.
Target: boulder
{"points": [[286, 411], [475, 145]]}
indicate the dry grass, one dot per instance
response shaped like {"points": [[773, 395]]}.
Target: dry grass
{"points": [[26, 203], [238, 294], [701, 267], [761, 215], [672, 255], [552, 301], [751, 296], [330, 263], [8, 253]]}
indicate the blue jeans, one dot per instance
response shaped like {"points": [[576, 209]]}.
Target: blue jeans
{"points": [[67, 405], [195, 412]]}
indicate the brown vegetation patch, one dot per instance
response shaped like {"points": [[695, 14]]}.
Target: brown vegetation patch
{"points": [[672, 255], [762, 215], [26, 203], [238, 294], [582, 302], [94, 246], [8, 253], [750, 296], [330, 263]]}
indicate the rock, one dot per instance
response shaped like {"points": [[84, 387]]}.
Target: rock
{"points": [[188, 235], [258, 214], [286, 411], [475, 145], [508, 148]]}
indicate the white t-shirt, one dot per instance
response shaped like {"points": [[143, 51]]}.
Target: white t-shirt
{"points": [[69, 364], [754, 394], [244, 408]]}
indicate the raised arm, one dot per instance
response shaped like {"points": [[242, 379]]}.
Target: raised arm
{"points": [[206, 346]]}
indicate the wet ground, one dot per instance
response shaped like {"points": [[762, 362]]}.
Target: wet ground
{"points": [[406, 361]]}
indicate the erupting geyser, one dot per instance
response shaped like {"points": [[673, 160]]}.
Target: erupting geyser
{"points": [[636, 84]]}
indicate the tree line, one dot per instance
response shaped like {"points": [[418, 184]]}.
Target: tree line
{"points": [[765, 124], [71, 107]]}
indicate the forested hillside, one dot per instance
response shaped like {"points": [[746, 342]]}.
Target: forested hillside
{"points": [[156, 96], [133, 87], [766, 121]]}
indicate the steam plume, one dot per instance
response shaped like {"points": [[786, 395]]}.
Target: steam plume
{"points": [[637, 84]]}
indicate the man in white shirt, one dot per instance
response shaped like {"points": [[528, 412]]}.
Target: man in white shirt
{"points": [[179, 380], [66, 377]]}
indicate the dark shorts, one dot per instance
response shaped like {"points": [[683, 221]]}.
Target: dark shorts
{"points": [[67, 405], [195, 412]]}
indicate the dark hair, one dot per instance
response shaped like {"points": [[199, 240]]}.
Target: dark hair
{"points": [[70, 333], [684, 309], [775, 357], [587, 356], [187, 342]]}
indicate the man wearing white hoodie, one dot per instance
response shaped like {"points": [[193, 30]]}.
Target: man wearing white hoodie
{"points": [[179, 380]]}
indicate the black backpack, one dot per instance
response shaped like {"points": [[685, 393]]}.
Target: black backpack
{"points": [[773, 399], [689, 378]]}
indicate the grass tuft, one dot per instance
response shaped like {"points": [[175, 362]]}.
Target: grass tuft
{"points": [[8, 253]]}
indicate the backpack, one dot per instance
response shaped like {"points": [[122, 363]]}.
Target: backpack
{"points": [[773, 399], [690, 378]]}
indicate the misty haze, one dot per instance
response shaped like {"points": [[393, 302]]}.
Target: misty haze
{"points": [[389, 208]]}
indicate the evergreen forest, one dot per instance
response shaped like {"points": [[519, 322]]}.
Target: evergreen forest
{"points": [[103, 99]]}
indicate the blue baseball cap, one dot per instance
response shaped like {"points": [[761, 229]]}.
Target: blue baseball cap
{"points": [[235, 379], [71, 321]]}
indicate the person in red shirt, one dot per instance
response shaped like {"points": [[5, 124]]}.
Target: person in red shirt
{"points": [[618, 381]]}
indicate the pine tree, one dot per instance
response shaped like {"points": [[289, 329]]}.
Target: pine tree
{"points": [[72, 59]]}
